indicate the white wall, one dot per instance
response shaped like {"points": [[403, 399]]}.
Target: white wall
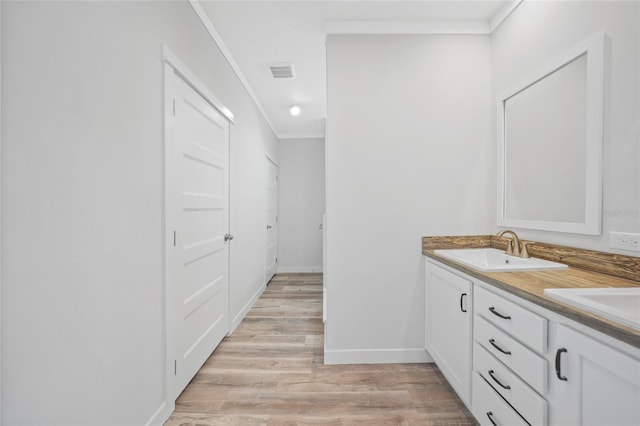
{"points": [[537, 32], [82, 203], [302, 194], [408, 154]]}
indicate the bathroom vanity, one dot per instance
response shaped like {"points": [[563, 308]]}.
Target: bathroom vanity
{"points": [[516, 356]]}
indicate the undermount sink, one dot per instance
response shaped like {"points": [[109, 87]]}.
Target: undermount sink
{"points": [[494, 260], [621, 305]]}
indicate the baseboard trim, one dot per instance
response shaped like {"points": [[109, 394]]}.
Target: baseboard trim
{"points": [[245, 309], [161, 415], [376, 356], [299, 269]]}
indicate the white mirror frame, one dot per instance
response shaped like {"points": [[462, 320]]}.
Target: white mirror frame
{"points": [[594, 49]]}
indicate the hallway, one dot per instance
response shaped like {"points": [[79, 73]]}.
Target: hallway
{"points": [[271, 372]]}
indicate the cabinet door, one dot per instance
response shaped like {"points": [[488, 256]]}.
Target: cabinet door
{"points": [[448, 326], [594, 384]]}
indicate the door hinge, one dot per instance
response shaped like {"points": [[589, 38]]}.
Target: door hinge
{"points": [[174, 238], [174, 107], [276, 218], [276, 260], [175, 367]]}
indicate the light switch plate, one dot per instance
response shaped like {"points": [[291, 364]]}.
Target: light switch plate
{"points": [[624, 241]]}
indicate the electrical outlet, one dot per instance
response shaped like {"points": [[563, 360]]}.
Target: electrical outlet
{"points": [[624, 241]]}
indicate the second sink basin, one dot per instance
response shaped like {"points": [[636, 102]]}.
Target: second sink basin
{"points": [[621, 305], [494, 260]]}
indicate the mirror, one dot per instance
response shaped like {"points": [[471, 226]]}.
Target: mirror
{"points": [[550, 145]]}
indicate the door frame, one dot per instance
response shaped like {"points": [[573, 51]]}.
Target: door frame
{"points": [[0, 217], [270, 161], [174, 67]]}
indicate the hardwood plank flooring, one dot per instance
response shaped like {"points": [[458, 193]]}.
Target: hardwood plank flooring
{"points": [[270, 372]]}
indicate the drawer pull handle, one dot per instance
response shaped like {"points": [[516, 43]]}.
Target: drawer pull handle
{"points": [[461, 299], [490, 415], [498, 314], [492, 374], [493, 343], [558, 368]]}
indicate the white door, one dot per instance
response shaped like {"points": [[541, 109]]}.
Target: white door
{"points": [[197, 226], [448, 326], [271, 260], [593, 383]]}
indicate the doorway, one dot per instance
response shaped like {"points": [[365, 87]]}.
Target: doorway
{"points": [[197, 226], [271, 250]]}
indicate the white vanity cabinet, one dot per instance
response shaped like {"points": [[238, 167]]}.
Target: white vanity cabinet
{"points": [[592, 383], [448, 314], [509, 361], [514, 362]]}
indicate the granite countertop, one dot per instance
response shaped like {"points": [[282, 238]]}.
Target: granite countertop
{"points": [[530, 285]]}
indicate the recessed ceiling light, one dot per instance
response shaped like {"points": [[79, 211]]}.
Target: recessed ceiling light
{"points": [[294, 110]]}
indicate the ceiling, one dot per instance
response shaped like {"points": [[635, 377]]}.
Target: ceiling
{"points": [[255, 34]]}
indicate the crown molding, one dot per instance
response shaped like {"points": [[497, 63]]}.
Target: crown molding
{"points": [[477, 27], [406, 27], [301, 136], [502, 14], [211, 29], [471, 27]]}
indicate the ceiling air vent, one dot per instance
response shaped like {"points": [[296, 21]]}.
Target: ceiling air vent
{"points": [[282, 70]]}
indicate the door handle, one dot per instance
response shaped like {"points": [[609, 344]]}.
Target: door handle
{"points": [[228, 237], [269, 227], [461, 299], [558, 368]]}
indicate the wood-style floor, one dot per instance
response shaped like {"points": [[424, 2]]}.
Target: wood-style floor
{"points": [[271, 372]]}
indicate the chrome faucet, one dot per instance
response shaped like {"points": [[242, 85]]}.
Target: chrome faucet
{"points": [[513, 246]]}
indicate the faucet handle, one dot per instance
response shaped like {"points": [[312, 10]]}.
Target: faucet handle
{"points": [[509, 249], [516, 247], [525, 251]]}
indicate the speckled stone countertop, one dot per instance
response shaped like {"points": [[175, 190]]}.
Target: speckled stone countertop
{"points": [[587, 269]]}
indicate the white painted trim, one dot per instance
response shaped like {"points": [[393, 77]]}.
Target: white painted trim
{"points": [[299, 269], [204, 18], [168, 332], [174, 67], [190, 78], [245, 309], [476, 27], [301, 136], [376, 356], [594, 48], [502, 14], [161, 415], [406, 27], [1, 381], [275, 163]]}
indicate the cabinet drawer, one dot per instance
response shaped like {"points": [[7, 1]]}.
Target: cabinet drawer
{"points": [[525, 400], [529, 328], [488, 408], [521, 360]]}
